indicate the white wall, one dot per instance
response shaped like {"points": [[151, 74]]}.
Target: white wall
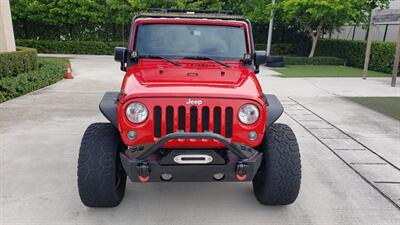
{"points": [[7, 42]]}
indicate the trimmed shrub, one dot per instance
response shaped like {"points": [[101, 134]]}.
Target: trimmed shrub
{"points": [[382, 53], [72, 47], [297, 60], [13, 63], [49, 71]]}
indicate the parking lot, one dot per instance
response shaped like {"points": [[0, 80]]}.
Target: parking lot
{"points": [[350, 158]]}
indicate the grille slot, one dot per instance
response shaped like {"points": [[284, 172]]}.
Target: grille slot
{"points": [[228, 122], [182, 118], [193, 119], [170, 120], [217, 120], [205, 119], [157, 121], [198, 119]]}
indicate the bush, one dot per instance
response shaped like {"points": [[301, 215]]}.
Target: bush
{"points": [[49, 71], [297, 60], [72, 47], [13, 63], [382, 53]]}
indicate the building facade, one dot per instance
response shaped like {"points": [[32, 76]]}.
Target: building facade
{"points": [[383, 32]]}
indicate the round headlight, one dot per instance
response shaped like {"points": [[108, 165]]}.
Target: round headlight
{"points": [[248, 114], [136, 112]]}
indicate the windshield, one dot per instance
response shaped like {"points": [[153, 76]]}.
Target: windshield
{"points": [[179, 41]]}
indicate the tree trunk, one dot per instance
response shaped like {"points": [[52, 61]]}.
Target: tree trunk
{"points": [[315, 36], [314, 46]]}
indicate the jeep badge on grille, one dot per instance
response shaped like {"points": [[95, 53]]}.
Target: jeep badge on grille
{"points": [[194, 102]]}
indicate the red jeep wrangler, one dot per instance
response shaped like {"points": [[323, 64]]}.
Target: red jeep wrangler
{"points": [[190, 109]]}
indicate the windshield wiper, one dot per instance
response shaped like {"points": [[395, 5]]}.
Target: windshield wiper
{"points": [[160, 57], [206, 58]]}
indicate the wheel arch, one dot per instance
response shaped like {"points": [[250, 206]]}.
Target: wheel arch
{"points": [[108, 107], [275, 109]]}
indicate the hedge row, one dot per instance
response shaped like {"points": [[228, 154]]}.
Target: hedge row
{"points": [[72, 47], [49, 71], [319, 60], [13, 63], [382, 53]]}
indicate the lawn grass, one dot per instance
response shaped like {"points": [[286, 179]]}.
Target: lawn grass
{"points": [[387, 105], [325, 71]]}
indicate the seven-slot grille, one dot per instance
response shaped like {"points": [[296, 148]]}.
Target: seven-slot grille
{"points": [[193, 119]]}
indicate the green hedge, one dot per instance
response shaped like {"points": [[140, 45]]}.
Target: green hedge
{"points": [[49, 71], [13, 63], [320, 60], [382, 54], [72, 47]]}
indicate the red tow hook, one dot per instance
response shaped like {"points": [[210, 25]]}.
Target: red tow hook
{"points": [[144, 179], [241, 171], [241, 178], [143, 172]]}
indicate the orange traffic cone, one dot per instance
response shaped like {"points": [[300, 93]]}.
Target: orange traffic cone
{"points": [[68, 75]]}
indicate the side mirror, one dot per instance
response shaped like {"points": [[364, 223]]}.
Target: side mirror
{"points": [[121, 55], [260, 57]]}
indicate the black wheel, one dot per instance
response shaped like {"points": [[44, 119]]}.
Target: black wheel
{"points": [[101, 178], [275, 64], [277, 182], [274, 59]]}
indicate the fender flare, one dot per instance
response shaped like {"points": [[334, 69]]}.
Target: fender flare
{"points": [[108, 107], [274, 107]]}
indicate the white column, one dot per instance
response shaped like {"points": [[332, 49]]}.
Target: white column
{"points": [[7, 41], [270, 29]]}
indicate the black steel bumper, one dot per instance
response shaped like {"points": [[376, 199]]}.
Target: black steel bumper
{"points": [[237, 163]]}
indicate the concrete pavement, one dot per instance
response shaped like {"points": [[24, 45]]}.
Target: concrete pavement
{"points": [[326, 86], [40, 136]]}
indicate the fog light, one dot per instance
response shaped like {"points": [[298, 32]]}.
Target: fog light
{"points": [[166, 177], [131, 135], [253, 135], [218, 176]]}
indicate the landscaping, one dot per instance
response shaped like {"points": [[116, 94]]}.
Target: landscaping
{"points": [[324, 71], [13, 63], [48, 71], [387, 105], [72, 46]]}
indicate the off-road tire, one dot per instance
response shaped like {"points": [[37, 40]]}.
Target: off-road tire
{"points": [[277, 182], [101, 178], [274, 59], [276, 64]]}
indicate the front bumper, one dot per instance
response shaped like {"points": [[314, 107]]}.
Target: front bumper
{"points": [[238, 163]]}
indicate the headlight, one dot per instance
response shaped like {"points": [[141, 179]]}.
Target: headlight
{"points": [[136, 112], [248, 114]]}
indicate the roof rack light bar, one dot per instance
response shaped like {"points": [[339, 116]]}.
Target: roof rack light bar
{"points": [[190, 14], [225, 12]]}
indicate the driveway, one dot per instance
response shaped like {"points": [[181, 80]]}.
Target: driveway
{"points": [[350, 159]]}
